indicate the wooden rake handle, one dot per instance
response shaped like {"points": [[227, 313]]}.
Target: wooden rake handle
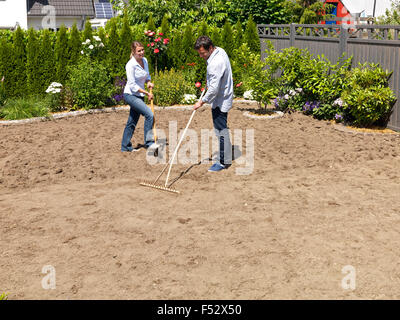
{"points": [[154, 122]]}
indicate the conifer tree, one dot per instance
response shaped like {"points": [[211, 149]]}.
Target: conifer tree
{"points": [[215, 37], [113, 49], [238, 34], [125, 41], [18, 74], [251, 35], [203, 31], [188, 44], [87, 32], [6, 64], [33, 67], [61, 53], [75, 44], [46, 58], [228, 43], [165, 26], [176, 52], [150, 23]]}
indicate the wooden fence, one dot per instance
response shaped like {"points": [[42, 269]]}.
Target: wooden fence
{"points": [[366, 43]]}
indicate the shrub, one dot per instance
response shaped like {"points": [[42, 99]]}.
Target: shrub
{"points": [[169, 87], [90, 85], [368, 98], [61, 54], [2, 92], [23, 108], [3, 296]]}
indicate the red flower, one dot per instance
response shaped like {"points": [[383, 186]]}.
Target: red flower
{"points": [[166, 40], [148, 44], [239, 84], [161, 34], [157, 39], [156, 50], [152, 44], [202, 89], [198, 84]]}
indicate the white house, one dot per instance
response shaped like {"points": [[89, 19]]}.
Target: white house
{"points": [[51, 14], [13, 13]]}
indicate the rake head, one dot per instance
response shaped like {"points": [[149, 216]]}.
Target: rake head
{"points": [[163, 188]]}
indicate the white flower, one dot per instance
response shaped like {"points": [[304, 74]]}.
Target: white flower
{"points": [[101, 44], [82, 52], [338, 102], [91, 47], [292, 92], [55, 84], [248, 95], [87, 41], [299, 90], [286, 96], [189, 98], [96, 38]]}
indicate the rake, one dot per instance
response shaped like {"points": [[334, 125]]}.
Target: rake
{"points": [[166, 187]]}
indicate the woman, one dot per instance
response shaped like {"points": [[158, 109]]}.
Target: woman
{"points": [[137, 73]]}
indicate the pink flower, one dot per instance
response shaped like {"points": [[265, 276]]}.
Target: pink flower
{"points": [[148, 44], [152, 33], [202, 89], [166, 40], [198, 84], [156, 50], [239, 84], [152, 44], [161, 34]]}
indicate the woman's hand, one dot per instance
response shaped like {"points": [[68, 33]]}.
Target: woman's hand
{"points": [[150, 96], [150, 85]]}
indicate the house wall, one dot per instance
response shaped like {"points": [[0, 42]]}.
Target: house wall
{"points": [[341, 11], [36, 22], [13, 12]]}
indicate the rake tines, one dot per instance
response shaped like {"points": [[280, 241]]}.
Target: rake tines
{"points": [[163, 188]]}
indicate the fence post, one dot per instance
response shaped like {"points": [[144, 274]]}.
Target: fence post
{"points": [[292, 34], [342, 40]]}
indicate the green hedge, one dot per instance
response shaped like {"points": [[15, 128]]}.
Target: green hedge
{"points": [[31, 60]]}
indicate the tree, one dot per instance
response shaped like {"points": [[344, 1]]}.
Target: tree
{"points": [[188, 44], [113, 50], [87, 32], [75, 44], [203, 30], [228, 42], [125, 41], [61, 52], [165, 26], [307, 11], [6, 64], [238, 34], [46, 58], [263, 12], [251, 35], [18, 74], [33, 67], [391, 17], [215, 37], [150, 23]]}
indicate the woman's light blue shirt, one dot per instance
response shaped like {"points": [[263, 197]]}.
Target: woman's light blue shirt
{"points": [[136, 76]]}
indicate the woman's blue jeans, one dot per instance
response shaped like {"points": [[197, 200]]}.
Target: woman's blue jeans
{"points": [[138, 107]]}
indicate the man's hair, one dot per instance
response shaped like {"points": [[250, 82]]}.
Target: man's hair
{"points": [[203, 41]]}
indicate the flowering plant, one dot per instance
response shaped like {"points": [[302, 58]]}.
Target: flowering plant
{"points": [[92, 47], [189, 98], [119, 86], [248, 95], [54, 97], [156, 44]]}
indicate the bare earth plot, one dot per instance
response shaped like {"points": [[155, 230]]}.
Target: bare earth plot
{"points": [[317, 200]]}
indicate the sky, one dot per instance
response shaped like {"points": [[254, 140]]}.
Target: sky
{"points": [[358, 5]]}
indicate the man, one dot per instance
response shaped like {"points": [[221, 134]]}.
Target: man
{"points": [[219, 95]]}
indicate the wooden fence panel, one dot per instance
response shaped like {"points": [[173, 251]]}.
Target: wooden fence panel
{"points": [[366, 43]]}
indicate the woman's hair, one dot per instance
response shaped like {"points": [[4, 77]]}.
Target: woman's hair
{"points": [[134, 45]]}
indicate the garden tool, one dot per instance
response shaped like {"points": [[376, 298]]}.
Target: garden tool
{"points": [[155, 145], [166, 187]]}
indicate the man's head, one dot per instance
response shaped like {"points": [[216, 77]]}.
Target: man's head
{"points": [[204, 47]]}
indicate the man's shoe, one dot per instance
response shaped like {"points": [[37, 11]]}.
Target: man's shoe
{"points": [[216, 167]]}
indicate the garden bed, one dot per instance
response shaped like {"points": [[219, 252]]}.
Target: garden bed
{"points": [[69, 198]]}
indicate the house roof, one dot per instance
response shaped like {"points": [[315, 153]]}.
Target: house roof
{"points": [[63, 7]]}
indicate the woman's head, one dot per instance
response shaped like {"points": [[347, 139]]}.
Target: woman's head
{"points": [[137, 49]]}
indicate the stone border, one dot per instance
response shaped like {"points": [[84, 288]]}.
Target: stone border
{"points": [[105, 110], [278, 114], [343, 128]]}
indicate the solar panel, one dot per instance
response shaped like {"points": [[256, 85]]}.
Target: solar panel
{"points": [[103, 10]]}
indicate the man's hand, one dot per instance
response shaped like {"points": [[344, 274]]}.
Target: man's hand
{"points": [[198, 104]]}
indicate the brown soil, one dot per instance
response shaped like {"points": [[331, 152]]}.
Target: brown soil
{"points": [[318, 199]]}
